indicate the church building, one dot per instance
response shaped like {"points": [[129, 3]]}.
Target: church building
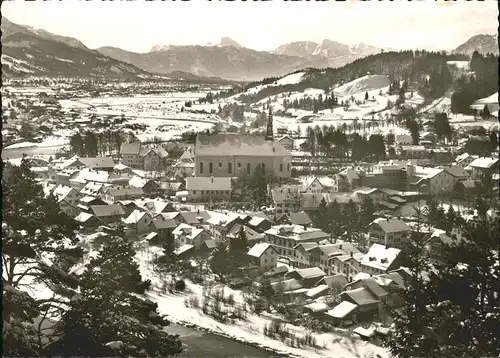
{"points": [[236, 155]]}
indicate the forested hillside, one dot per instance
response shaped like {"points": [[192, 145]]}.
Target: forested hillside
{"points": [[483, 83], [424, 71]]}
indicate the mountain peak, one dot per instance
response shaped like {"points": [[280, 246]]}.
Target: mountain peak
{"points": [[483, 43], [225, 42]]}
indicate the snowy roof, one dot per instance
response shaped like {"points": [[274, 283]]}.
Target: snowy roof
{"points": [[259, 249], [107, 210], [233, 144], [488, 100], [342, 309], [484, 162], [309, 272], [151, 235], [61, 192], [391, 225], [297, 232], [134, 217], [121, 167], [83, 217], [380, 256], [286, 285], [182, 249], [361, 296], [317, 290], [317, 307], [137, 182], [364, 332]]}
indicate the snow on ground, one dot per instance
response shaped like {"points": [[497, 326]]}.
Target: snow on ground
{"points": [[250, 330], [290, 79], [22, 145], [363, 84]]}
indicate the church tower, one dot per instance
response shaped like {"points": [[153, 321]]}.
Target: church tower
{"points": [[269, 131]]}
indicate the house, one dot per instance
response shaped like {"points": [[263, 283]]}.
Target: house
{"points": [[413, 151], [343, 314], [491, 102], [163, 226], [88, 221], [154, 158], [334, 282], [122, 169], [92, 189], [130, 153], [346, 264], [286, 199], [259, 223], [201, 189], [67, 198], [286, 142], [158, 206], [264, 256], [148, 186], [138, 222], [381, 259], [484, 166], [184, 167], [295, 218], [174, 215], [463, 160], [367, 304], [437, 243], [389, 232], [286, 237], [187, 234], [436, 182], [185, 251], [320, 185], [230, 155], [403, 139], [86, 202], [287, 286], [308, 277], [94, 163], [115, 194], [108, 213], [195, 217], [253, 237]]}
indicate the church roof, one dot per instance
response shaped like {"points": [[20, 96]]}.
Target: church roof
{"points": [[235, 144]]}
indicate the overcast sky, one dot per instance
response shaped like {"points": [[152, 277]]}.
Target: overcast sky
{"points": [[137, 25]]}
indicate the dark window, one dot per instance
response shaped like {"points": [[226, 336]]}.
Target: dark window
{"points": [[230, 168], [201, 168], [263, 167], [281, 167], [210, 168], [288, 166], [248, 168], [220, 165], [239, 165]]}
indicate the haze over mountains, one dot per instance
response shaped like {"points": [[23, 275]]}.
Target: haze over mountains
{"points": [[29, 51]]}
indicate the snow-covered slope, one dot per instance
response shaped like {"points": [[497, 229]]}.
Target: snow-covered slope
{"points": [[365, 83]]}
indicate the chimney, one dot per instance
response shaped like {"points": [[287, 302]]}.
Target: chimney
{"points": [[306, 225], [351, 254]]}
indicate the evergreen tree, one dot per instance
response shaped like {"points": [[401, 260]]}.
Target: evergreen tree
{"points": [[238, 248], [366, 96], [107, 317], [266, 290], [38, 246], [486, 112], [219, 261]]}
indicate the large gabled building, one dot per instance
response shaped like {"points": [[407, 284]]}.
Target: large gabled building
{"points": [[232, 155]]}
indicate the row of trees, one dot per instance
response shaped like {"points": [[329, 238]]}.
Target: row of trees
{"points": [[99, 312], [350, 219], [92, 144], [312, 104], [335, 143]]}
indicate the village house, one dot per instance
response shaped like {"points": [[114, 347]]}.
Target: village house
{"points": [[403, 139], [163, 227], [148, 186], [88, 221], [130, 153], [92, 189], [413, 151], [463, 160], [201, 189], [108, 213], [154, 158], [343, 314], [286, 199], [137, 223], [227, 155], [322, 255], [308, 277], [195, 218], [286, 142], [432, 181], [389, 232], [437, 243], [297, 218], [253, 237], [346, 264], [115, 194], [67, 198], [86, 202], [264, 256], [381, 259], [286, 237], [484, 166], [367, 303], [122, 169], [259, 223], [186, 234], [184, 167]]}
